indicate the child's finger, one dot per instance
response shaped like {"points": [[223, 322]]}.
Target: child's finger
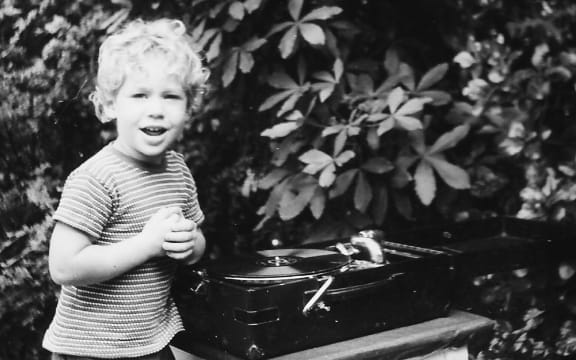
{"points": [[179, 255], [170, 246], [180, 236], [184, 225]]}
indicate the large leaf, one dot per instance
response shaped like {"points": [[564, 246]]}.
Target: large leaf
{"points": [[230, 66], [312, 33], [295, 8], [403, 205], [289, 145], [333, 129], [344, 157], [395, 98], [425, 183], [253, 44], [281, 130], [438, 97], [566, 270], [272, 178], [432, 77], [275, 99], [328, 81], [338, 69], [318, 203], [343, 182], [373, 139], [214, 48], [197, 31], [246, 62], [236, 10], [386, 125], [293, 202], [453, 175], [309, 31], [391, 61], [449, 139], [279, 27], [378, 165], [361, 84], [362, 193], [401, 177], [340, 141], [417, 142], [269, 209], [240, 58], [406, 76], [379, 207], [408, 123], [217, 9], [328, 175], [281, 80], [412, 106], [324, 90], [316, 160], [252, 5], [292, 93], [343, 132], [295, 121], [400, 112], [322, 13], [288, 41], [290, 103]]}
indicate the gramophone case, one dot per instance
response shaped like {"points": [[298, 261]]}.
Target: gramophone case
{"points": [[298, 309], [282, 301]]}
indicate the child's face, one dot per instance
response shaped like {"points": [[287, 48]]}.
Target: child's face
{"points": [[150, 111]]}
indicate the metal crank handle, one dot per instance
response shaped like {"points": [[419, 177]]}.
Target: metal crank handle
{"points": [[310, 304], [371, 246]]}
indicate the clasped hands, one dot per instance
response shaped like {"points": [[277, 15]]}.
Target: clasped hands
{"points": [[169, 233]]}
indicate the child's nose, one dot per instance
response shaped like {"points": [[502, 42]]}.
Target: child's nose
{"points": [[155, 107]]}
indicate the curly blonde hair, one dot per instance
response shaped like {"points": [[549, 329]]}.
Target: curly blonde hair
{"points": [[128, 49]]}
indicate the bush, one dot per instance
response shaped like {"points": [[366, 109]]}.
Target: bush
{"points": [[324, 117]]}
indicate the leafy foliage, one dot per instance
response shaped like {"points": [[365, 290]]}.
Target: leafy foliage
{"points": [[324, 117], [347, 124], [535, 312]]}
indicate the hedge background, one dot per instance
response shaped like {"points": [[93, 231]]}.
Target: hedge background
{"points": [[324, 117]]}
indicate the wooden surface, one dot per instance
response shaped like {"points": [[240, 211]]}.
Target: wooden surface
{"points": [[402, 343]]}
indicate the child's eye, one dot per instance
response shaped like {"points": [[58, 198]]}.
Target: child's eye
{"points": [[173, 97], [139, 95]]}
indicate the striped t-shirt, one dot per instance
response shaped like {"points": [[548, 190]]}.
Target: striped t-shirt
{"points": [[111, 197]]}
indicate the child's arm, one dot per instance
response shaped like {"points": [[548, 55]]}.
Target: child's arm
{"points": [[74, 259]]}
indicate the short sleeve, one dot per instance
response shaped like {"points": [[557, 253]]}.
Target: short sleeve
{"points": [[193, 209], [86, 204]]}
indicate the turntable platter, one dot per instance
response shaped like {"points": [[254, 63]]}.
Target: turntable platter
{"points": [[278, 265]]}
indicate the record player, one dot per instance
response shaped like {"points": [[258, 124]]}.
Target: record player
{"points": [[278, 301]]}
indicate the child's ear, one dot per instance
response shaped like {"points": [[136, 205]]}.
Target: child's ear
{"points": [[109, 111]]}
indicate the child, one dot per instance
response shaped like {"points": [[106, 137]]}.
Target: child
{"points": [[129, 214]]}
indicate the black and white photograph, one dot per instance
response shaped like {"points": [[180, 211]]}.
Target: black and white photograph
{"points": [[288, 179]]}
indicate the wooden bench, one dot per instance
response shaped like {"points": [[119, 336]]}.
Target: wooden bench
{"points": [[441, 338]]}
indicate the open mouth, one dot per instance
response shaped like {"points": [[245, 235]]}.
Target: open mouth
{"points": [[153, 131]]}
